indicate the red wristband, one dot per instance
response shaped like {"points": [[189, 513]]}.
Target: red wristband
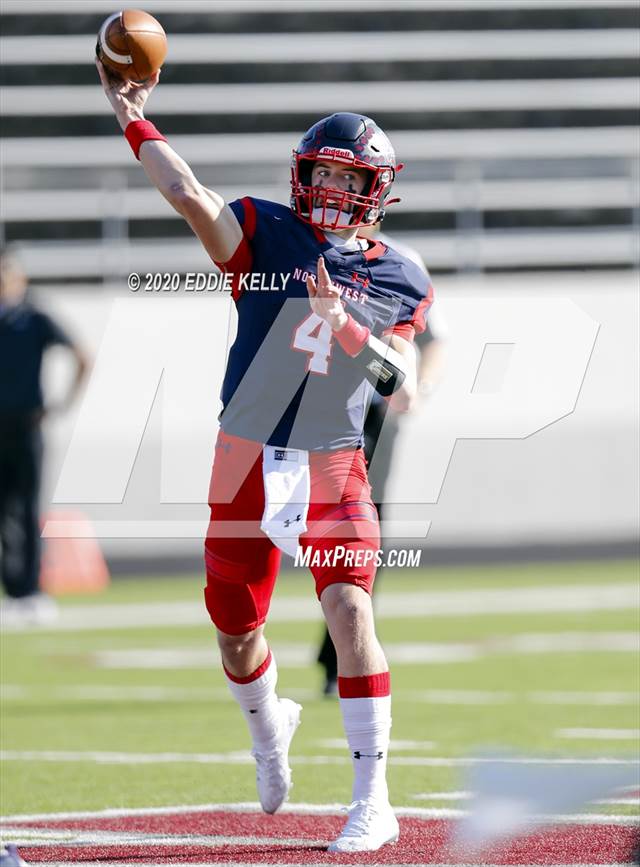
{"points": [[352, 337], [139, 131]]}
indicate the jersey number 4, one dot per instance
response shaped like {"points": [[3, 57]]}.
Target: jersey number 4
{"points": [[313, 336]]}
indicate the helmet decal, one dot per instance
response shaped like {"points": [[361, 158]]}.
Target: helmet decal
{"points": [[337, 153]]}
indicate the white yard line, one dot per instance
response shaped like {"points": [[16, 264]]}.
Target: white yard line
{"points": [[243, 757], [457, 696], [443, 796], [489, 697], [147, 693], [106, 757], [450, 762], [598, 734], [179, 809], [584, 698], [341, 744], [567, 642], [287, 656], [133, 694], [91, 692], [529, 600], [398, 653], [467, 796], [38, 837], [296, 809]]}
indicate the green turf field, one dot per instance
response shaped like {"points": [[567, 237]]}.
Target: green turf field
{"points": [[461, 681]]}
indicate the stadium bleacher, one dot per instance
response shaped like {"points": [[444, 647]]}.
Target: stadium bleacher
{"points": [[518, 122]]}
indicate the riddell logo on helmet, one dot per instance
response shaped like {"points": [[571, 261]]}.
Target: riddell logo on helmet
{"points": [[337, 153]]}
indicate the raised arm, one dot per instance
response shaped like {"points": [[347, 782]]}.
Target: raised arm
{"points": [[211, 219]]}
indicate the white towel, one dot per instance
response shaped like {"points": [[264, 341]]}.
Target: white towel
{"points": [[287, 488]]}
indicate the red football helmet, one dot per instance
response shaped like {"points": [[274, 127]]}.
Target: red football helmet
{"points": [[349, 139]]}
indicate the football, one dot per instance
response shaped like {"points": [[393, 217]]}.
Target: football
{"points": [[132, 44]]}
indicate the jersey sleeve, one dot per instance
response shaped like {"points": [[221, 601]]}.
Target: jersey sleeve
{"points": [[436, 326], [414, 299], [247, 216], [242, 260]]}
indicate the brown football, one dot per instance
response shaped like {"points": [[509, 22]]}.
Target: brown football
{"points": [[132, 43]]}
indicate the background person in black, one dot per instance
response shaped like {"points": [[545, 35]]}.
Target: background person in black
{"points": [[25, 334], [382, 425]]}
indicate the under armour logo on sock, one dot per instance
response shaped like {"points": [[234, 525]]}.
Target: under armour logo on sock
{"points": [[359, 755], [252, 711], [288, 521]]}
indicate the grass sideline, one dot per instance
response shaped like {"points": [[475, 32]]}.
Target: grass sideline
{"points": [[57, 697]]}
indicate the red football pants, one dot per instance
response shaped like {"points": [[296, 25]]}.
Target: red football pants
{"points": [[242, 562]]}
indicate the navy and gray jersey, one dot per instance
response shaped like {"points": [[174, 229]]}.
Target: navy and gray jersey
{"points": [[288, 382]]}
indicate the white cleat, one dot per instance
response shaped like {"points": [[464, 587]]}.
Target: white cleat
{"points": [[273, 774], [370, 825]]}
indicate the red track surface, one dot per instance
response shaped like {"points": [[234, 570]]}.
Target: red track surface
{"points": [[422, 841]]}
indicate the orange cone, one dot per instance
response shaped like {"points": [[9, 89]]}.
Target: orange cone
{"points": [[72, 561]]}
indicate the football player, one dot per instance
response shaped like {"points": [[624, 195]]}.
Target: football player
{"points": [[289, 472]]}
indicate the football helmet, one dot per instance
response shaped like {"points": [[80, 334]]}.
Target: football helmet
{"points": [[353, 140]]}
